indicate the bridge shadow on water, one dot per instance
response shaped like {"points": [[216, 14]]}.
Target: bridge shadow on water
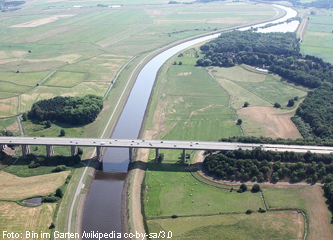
{"points": [[163, 167]]}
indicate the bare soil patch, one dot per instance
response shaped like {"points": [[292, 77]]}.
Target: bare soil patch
{"points": [[318, 214], [275, 123], [184, 73], [42, 21]]}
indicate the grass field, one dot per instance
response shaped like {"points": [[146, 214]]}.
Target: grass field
{"points": [[261, 87], [187, 112], [232, 226], [308, 198], [171, 183], [64, 79], [8, 107], [19, 219], [318, 37], [16, 188]]}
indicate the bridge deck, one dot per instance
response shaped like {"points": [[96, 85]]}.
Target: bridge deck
{"points": [[161, 144]]}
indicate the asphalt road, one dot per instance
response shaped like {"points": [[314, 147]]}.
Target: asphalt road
{"points": [[161, 144]]}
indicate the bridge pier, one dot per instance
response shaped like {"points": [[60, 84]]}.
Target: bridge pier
{"points": [[25, 150], [130, 153], [184, 156], [49, 151], [157, 151], [74, 150], [98, 152]]}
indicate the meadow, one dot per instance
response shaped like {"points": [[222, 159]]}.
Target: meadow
{"points": [[318, 37], [232, 226]]}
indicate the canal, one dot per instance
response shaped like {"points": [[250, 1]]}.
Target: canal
{"points": [[102, 211]]}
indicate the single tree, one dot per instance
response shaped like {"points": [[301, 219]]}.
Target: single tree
{"points": [[246, 104], [62, 132], [48, 124], [255, 188], [291, 103], [180, 63], [277, 105], [243, 187], [239, 121], [24, 117]]}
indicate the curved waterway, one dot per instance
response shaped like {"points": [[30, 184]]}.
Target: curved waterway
{"points": [[102, 211]]}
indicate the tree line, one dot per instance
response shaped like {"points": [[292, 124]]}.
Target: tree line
{"points": [[72, 110], [259, 166], [280, 53], [314, 117]]}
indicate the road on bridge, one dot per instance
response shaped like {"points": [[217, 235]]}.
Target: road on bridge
{"points": [[159, 144]]}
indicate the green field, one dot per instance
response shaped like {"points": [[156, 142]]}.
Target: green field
{"points": [[171, 190], [318, 38], [259, 89], [231, 226], [195, 106]]}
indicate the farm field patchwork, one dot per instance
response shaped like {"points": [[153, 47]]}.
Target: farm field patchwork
{"points": [[318, 37]]}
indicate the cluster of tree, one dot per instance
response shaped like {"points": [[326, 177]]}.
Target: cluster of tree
{"points": [[72, 110], [266, 140], [13, 3], [7, 133], [59, 161], [278, 51], [328, 190], [316, 112], [261, 166], [319, 4]]}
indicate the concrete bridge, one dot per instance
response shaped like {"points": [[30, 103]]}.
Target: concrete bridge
{"points": [[131, 144]]}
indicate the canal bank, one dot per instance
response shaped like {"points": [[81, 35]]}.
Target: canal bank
{"points": [[122, 164]]}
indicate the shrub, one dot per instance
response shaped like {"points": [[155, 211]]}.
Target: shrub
{"points": [[33, 164], [255, 188], [59, 193], [50, 199], [52, 225], [62, 132], [262, 210], [59, 168], [249, 211], [243, 187]]}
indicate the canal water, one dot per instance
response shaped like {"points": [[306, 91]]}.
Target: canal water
{"points": [[102, 211]]}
